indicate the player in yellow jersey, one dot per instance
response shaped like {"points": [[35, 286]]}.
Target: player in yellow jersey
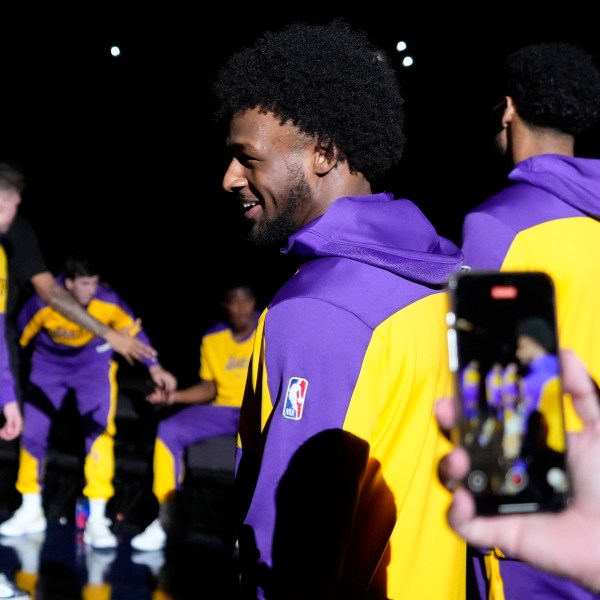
{"points": [[225, 352]]}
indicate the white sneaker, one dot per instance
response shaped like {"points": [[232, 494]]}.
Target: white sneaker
{"points": [[98, 535], [153, 559], [152, 538], [24, 521], [97, 563], [27, 549], [9, 591]]}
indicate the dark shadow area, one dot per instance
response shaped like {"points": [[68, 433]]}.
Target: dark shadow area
{"points": [[199, 559], [332, 509]]}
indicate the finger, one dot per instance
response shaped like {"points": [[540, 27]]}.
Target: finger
{"points": [[445, 413], [461, 513], [143, 350], [524, 537], [583, 390], [453, 467], [136, 323]]}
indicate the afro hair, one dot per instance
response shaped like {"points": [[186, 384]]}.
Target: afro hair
{"points": [[554, 85], [329, 82]]}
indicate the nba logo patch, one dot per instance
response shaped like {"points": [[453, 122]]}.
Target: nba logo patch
{"points": [[294, 398]]}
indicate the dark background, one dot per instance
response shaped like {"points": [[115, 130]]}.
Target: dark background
{"points": [[122, 159]]}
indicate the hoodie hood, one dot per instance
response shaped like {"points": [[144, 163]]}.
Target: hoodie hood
{"points": [[381, 231], [575, 181]]}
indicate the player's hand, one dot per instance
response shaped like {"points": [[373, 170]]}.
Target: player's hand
{"points": [[163, 379], [158, 396], [131, 348], [13, 426]]}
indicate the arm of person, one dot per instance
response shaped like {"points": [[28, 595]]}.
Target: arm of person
{"points": [[202, 392], [563, 543], [13, 420], [53, 294], [163, 379]]}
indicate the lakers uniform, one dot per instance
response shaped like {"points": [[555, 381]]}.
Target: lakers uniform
{"points": [[223, 360], [7, 382], [67, 358], [338, 445], [548, 220]]}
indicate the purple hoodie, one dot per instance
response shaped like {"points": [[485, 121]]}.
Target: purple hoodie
{"points": [[382, 232], [359, 329], [545, 188]]}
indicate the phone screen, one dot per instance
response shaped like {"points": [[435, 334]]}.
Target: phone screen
{"points": [[503, 346]]}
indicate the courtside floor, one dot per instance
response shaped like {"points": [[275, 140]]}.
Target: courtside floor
{"points": [[199, 562]]}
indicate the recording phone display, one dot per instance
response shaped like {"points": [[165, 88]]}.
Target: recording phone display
{"points": [[503, 347]]}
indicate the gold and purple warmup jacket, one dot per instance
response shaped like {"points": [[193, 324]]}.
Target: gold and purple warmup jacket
{"points": [[547, 220], [338, 445], [7, 382], [67, 358]]}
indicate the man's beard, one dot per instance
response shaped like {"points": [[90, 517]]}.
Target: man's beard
{"points": [[276, 231]]}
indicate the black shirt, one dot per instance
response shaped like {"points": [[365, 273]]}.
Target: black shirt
{"points": [[24, 258]]}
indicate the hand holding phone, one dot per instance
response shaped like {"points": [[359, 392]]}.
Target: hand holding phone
{"points": [[503, 348]]}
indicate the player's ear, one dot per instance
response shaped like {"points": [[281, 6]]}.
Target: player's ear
{"points": [[324, 157], [509, 111]]}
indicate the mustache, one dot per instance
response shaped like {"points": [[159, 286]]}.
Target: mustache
{"points": [[241, 197]]}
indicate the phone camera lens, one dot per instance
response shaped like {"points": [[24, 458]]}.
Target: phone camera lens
{"points": [[477, 481], [557, 478]]}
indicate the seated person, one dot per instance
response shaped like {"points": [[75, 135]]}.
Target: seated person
{"points": [[67, 358], [225, 352]]}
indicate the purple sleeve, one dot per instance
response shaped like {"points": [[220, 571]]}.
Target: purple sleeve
{"points": [[141, 334], [121, 308], [486, 241], [30, 308], [306, 350], [7, 382]]}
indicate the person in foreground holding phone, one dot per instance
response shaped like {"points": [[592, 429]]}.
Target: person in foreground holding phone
{"points": [[563, 543]]}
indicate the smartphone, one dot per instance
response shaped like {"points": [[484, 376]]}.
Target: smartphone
{"points": [[503, 346]]}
